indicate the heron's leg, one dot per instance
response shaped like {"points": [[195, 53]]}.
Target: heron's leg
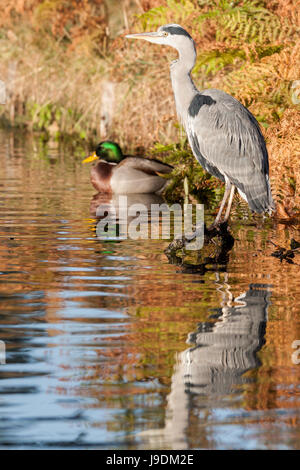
{"points": [[227, 213], [225, 197]]}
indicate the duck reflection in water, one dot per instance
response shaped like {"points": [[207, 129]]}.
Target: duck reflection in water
{"points": [[118, 211], [222, 350]]}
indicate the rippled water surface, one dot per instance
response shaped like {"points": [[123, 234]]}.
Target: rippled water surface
{"points": [[110, 345]]}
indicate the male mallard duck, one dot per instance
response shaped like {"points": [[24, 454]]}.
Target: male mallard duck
{"points": [[118, 173]]}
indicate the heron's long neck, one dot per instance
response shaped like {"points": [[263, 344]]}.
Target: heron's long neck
{"points": [[183, 86]]}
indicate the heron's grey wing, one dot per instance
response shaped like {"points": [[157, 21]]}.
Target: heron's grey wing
{"points": [[227, 141], [147, 165]]}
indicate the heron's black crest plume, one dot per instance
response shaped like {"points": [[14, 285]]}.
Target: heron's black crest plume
{"points": [[176, 29]]}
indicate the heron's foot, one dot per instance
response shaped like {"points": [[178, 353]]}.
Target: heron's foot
{"points": [[219, 230], [182, 240], [178, 243], [217, 226], [213, 226], [213, 255]]}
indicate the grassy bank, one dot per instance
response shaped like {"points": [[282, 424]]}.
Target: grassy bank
{"points": [[69, 72]]}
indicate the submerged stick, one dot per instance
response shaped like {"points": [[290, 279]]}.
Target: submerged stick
{"points": [[181, 241]]}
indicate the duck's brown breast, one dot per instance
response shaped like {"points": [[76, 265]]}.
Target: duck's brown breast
{"points": [[101, 177]]}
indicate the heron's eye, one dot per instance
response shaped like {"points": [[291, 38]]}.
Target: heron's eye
{"points": [[165, 33]]}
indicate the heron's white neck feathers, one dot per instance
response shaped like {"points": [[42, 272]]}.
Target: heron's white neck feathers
{"points": [[183, 86]]}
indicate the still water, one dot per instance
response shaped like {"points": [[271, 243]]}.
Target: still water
{"points": [[109, 345]]}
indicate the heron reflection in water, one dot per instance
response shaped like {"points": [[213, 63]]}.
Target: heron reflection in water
{"points": [[221, 351]]}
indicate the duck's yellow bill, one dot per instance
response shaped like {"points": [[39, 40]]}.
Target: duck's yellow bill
{"points": [[91, 158]]}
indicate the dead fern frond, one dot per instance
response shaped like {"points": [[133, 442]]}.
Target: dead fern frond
{"points": [[283, 139]]}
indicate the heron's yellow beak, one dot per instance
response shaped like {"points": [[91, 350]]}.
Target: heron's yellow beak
{"points": [[91, 158], [155, 37]]}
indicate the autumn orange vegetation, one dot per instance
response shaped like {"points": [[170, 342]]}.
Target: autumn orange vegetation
{"points": [[249, 48], [65, 20], [256, 58]]}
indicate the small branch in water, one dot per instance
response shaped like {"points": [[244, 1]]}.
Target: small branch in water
{"points": [[285, 254], [180, 242], [217, 262]]}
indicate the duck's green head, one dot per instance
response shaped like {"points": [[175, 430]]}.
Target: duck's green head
{"points": [[108, 151]]}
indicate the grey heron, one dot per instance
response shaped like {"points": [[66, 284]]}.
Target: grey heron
{"points": [[224, 136]]}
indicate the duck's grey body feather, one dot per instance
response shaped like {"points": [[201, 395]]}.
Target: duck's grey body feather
{"points": [[139, 175], [132, 175]]}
